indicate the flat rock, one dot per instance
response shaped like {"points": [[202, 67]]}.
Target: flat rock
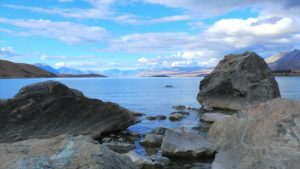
{"points": [[213, 117], [50, 108], [152, 140], [238, 81], [267, 136], [62, 152], [119, 146], [151, 162], [159, 130], [182, 144]]}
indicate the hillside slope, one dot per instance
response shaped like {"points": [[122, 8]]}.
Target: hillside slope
{"points": [[17, 70], [289, 61]]}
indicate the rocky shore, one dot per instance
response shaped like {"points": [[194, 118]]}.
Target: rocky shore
{"points": [[49, 125]]}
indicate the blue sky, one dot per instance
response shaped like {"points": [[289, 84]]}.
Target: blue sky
{"points": [[135, 34]]}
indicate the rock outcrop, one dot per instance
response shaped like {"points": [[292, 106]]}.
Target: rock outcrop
{"points": [[182, 144], [48, 109], [237, 82], [266, 136], [62, 152]]}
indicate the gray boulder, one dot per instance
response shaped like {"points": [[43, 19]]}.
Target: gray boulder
{"points": [[213, 117], [151, 162], [48, 109], [237, 82], [267, 136], [62, 152], [182, 144], [152, 140]]}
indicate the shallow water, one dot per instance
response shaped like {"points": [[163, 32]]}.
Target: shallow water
{"points": [[146, 95]]}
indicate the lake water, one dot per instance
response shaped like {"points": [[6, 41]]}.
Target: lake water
{"points": [[146, 95]]}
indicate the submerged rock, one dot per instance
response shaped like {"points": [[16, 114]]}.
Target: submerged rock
{"points": [[182, 144], [62, 152], [158, 117], [176, 117], [152, 140], [237, 82], [267, 136], [48, 109], [179, 107], [213, 117]]}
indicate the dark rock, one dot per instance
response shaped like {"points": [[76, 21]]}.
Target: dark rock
{"points": [[158, 117], [138, 114], [238, 81], [179, 107], [48, 109], [169, 86], [176, 117], [266, 137], [181, 112]]}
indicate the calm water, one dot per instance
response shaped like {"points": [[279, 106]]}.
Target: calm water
{"points": [[147, 95]]}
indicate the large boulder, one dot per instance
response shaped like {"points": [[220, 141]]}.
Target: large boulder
{"points": [[185, 145], [266, 136], [237, 82], [48, 109], [62, 152]]}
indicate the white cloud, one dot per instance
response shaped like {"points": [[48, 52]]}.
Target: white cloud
{"points": [[143, 60], [101, 9], [153, 42], [68, 32], [76, 64], [204, 8], [7, 52], [47, 57]]}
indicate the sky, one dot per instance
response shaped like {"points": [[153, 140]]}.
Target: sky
{"points": [[144, 34]]}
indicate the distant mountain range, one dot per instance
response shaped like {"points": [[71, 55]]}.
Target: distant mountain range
{"points": [[173, 71], [19, 70], [286, 61], [281, 62]]}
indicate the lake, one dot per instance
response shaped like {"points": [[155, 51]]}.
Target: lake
{"points": [[146, 95]]}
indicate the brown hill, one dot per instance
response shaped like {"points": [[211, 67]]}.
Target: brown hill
{"points": [[16, 70]]}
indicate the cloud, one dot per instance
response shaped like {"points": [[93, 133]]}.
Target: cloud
{"points": [[7, 52], [76, 64], [202, 58], [101, 9], [68, 32], [153, 42], [143, 60], [204, 8]]}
